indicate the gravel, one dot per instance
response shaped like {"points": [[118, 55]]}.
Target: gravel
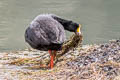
{"points": [[89, 62]]}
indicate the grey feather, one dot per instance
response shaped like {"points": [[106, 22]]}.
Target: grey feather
{"points": [[44, 30]]}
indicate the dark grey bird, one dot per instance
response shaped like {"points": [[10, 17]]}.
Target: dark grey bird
{"points": [[47, 33]]}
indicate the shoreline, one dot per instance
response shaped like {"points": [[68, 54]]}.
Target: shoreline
{"points": [[89, 62]]}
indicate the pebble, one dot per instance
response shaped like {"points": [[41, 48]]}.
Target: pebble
{"points": [[101, 55], [90, 62]]}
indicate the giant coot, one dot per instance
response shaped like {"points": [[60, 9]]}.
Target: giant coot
{"points": [[47, 33]]}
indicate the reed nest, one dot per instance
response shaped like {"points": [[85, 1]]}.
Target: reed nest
{"points": [[87, 62], [73, 42]]}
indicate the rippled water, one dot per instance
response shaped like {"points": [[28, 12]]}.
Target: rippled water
{"points": [[100, 19]]}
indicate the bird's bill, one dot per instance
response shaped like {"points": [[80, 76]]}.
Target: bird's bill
{"points": [[78, 32]]}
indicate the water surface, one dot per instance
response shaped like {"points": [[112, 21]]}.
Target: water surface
{"points": [[100, 19]]}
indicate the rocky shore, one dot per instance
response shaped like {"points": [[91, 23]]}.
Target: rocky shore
{"points": [[89, 62]]}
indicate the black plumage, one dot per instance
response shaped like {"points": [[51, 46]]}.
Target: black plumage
{"points": [[46, 32]]}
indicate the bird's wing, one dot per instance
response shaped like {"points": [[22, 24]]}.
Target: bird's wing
{"points": [[47, 32], [54, 32]]}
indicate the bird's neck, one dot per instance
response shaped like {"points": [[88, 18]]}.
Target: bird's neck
{"points": [[65, 23]]}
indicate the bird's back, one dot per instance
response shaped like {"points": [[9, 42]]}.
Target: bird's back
{"points": [[44, 31]]}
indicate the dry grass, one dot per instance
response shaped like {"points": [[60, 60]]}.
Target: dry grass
{"points": [[73, 42], [104, 67]]}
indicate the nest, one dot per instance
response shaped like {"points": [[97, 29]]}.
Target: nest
{"points": [[73, 42]]}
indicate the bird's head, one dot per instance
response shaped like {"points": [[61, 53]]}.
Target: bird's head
{"points": [[78, 30], [74, 27]]}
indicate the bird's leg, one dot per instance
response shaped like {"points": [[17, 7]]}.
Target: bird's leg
{"points": [[51, 58], [54, 54]]}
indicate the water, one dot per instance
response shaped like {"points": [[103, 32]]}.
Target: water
{"points": [[100, 19]]}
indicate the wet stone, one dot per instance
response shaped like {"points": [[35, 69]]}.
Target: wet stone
{"points": [[104, 54], [107, 68], [91, 62], [101, 55]]}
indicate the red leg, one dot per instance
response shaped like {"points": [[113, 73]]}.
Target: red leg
{"points": [[54, 54], [51, 62], [51, 58]]}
